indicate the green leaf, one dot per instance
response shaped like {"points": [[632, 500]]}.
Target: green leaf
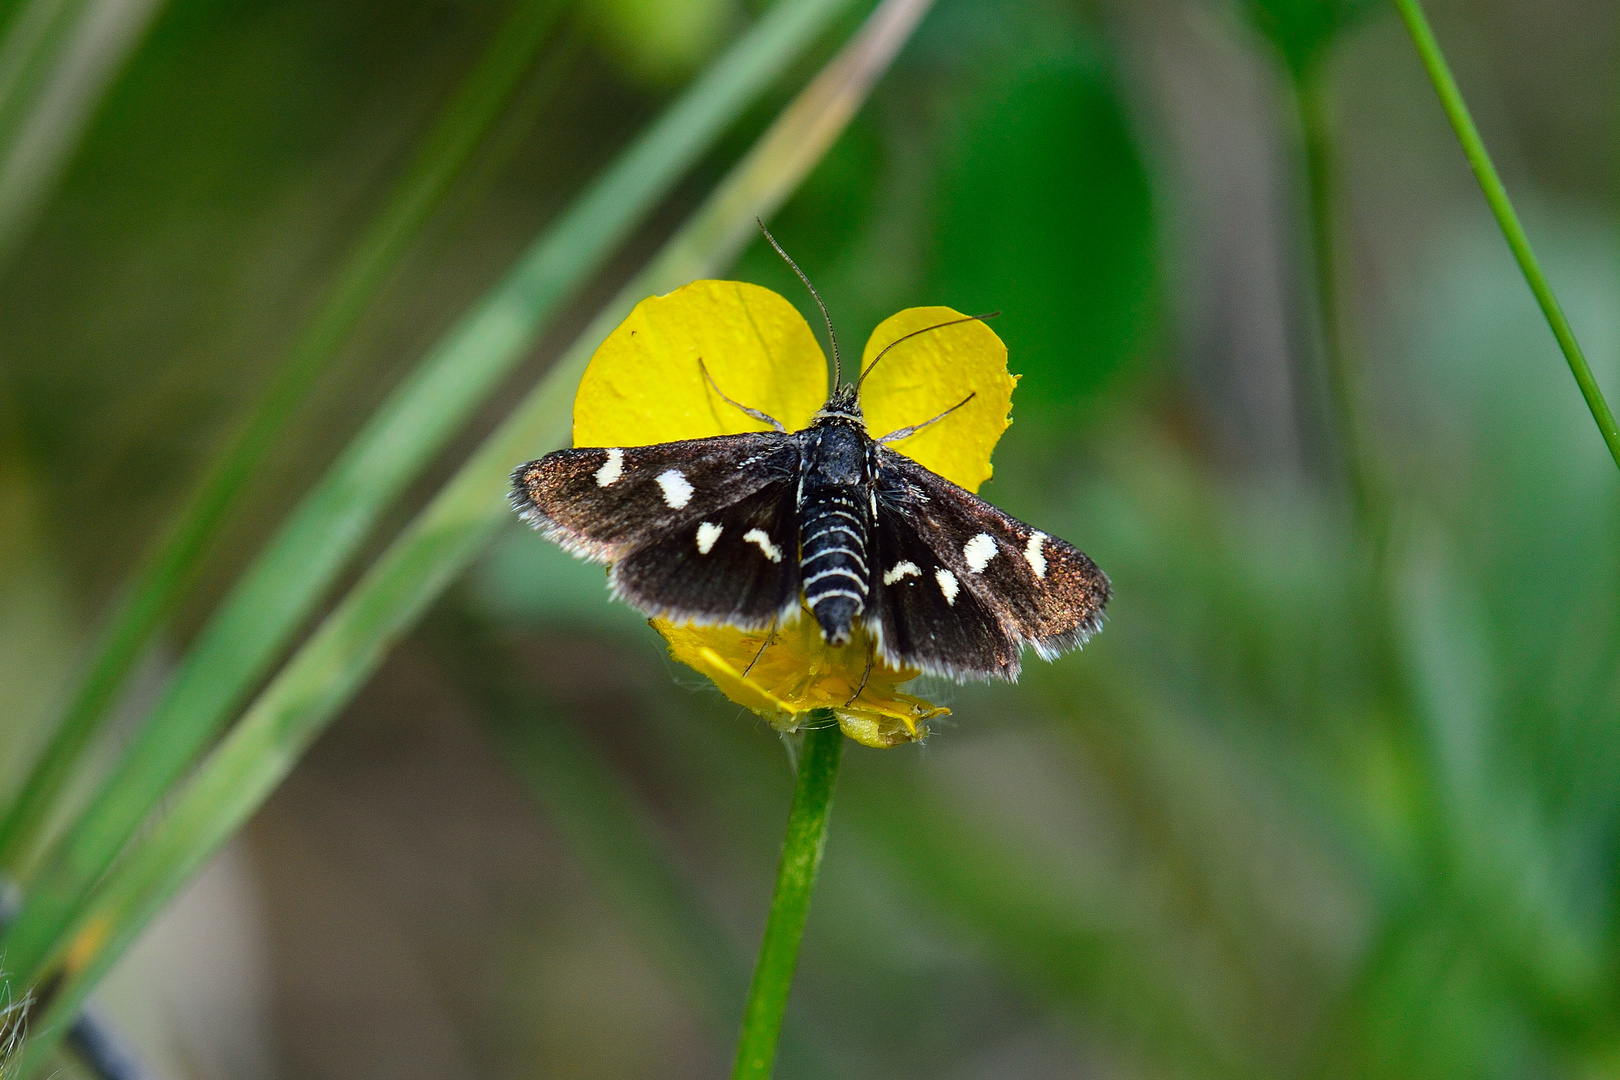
{"points": [[1048, 219]]}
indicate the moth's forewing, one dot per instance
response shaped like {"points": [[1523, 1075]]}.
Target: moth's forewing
{"points": [[736, 565], [1040, 591], [601, 503]]}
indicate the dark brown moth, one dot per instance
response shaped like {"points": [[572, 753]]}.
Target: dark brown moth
{"points": [[747, 530], [733, 530]]}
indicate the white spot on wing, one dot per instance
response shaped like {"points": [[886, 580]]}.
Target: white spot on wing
{"points": [[1035, 556], [758, 536], [677, 491], [947, 585], [708, 533], [979, 551], [901, 570], [611, 469]]}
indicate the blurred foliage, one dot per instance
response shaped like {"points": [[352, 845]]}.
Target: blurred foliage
{"points": [[1303, 30], [1047, 217], [661, 41], [37, 635], [1308, 807]]}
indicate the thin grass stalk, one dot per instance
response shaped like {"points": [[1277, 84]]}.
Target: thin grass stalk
{"points": [[56, 62], [172, 566], [282, 588], [1479, 159], [352, 641], [1368, 490], [1311, 100], [802, 849]]}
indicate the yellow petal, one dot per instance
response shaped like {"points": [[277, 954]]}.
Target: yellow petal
{"points": [[644, 385], [798, 673], [927, 374]]}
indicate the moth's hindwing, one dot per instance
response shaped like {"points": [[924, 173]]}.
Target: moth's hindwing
{"points": [[602, 503], [701, 530], [1025, 587], [925, 618]]}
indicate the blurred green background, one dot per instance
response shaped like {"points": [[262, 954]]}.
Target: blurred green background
{"points": [[1334, 793]]}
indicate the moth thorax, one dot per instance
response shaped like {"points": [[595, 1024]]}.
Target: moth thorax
{"points": [[838, 457]]}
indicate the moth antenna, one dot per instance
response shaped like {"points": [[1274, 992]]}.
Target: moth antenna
{"points": [[907, 432], [914, 333], [838, 369], [757, 414]]}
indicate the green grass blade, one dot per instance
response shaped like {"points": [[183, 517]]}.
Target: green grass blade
{"points": [[444, 154], [280, 591], [309, 691], [57, 60], [1479, 159]]}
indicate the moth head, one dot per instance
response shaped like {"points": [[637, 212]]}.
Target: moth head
{"points": [[844, 404]]}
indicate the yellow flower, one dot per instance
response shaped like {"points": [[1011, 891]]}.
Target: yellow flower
{"points": [[644, 386]]}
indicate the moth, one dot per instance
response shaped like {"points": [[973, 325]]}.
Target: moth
{"points": [[748, 530]]}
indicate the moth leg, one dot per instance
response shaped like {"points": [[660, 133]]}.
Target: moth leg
{"points": [[769, 635], [762, 417], [906, 432], [871, 654]]}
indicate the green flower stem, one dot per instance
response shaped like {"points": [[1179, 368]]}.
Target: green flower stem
{"points": [[606, 824], [167, 572], [1315, 120], [1451, 99], [583, 795], [286, 583], [242, 771], [784, 929]]}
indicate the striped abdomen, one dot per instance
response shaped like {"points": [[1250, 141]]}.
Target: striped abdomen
{"points": [[833, 531]]}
